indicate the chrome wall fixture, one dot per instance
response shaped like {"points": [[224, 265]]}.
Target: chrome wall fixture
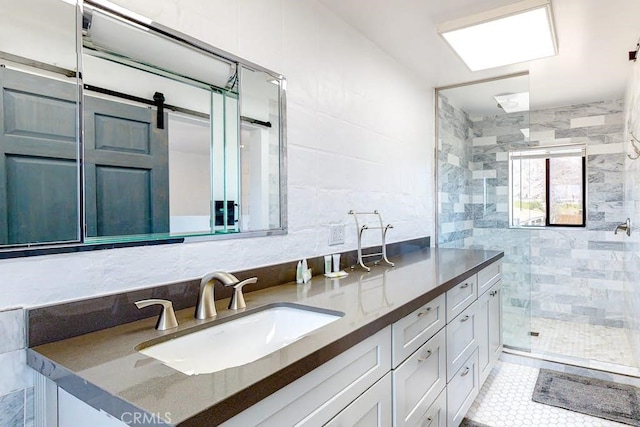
{"points": [[625, 227], [383, 231]]}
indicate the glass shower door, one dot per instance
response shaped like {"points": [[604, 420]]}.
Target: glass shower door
{"points": [[478, 125], [631, 177]]}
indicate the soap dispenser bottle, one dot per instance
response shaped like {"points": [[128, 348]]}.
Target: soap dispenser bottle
{"points": [[299, 272]]}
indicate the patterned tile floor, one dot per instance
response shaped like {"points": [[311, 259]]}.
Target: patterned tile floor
{"points": [[581, 340], [505, 401]]}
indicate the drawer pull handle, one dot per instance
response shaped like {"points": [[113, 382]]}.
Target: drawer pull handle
{"points": [[465, 318], [493, 293], [464, 285], [423, 358], [465, 372], [428, 422], [426, 310]]}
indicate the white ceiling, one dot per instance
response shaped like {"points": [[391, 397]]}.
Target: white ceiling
{"points": [[594, 37]]}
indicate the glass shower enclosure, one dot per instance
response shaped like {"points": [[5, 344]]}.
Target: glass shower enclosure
{"points": [[548, 187], [478, 125]]}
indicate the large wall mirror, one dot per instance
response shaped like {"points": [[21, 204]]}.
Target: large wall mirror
{"points": [[114, 128]]}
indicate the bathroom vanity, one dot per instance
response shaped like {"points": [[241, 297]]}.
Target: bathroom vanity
{"points": [[413, 347]]}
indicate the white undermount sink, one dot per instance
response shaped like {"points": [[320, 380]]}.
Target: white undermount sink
{"points": [[240, 340]]}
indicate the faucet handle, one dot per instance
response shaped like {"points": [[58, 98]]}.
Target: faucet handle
{"points": [[167, 318], [237, 299]]}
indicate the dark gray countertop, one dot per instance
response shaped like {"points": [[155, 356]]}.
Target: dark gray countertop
{"points": [[104, 369]]}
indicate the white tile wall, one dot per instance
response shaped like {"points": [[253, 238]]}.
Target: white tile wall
{"points": [[605, 148], [359, 136], [484, 140], [479, 174], [542, 135], [454, 160], [502, 157], [580, 122]]}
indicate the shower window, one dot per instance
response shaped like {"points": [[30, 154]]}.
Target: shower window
{"points": [[547, 187]]}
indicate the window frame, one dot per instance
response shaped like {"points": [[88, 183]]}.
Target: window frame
{"points": [[548, 194], [570, 150]]}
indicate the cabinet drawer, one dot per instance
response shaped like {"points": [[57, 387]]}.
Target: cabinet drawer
{"points": [[462, 390], [372, 409], [318, 396], [462, 339], [413, 330], [461, 296], [436, 415], [488, 276], [418, 381]]}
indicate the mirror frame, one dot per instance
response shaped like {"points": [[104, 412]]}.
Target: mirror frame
{"points": [[88, 243]]}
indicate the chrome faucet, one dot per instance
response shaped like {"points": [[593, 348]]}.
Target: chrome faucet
{"points": [[237, 299], [167, 318], [625, 226], [205, 307]]}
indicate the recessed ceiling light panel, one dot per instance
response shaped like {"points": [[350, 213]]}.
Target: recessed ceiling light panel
{"points": [[511, 34]]}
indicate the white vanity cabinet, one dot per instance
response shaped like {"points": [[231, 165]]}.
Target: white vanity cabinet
{"points": [[418, 381], [372, 409], [423, 370], [489, 329], [317, 397], [462, 390], [73, 412], [474, 338], [462, 338], [413, 330], [461, 296], [436, 415], [489, 276]]}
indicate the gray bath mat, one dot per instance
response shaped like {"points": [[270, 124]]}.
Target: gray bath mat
{"points": [[602, 399], [466, 422]]}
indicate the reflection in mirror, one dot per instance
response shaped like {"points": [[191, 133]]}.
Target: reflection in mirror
{"points": [[39, 167], [164, 134], [146, 142], [260, 135]]}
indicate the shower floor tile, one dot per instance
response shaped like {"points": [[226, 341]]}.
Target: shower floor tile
{"points": [[505, 401], [581, 340]]}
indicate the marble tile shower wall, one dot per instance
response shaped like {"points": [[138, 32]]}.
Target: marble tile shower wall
{"points": [[462, 197], [16, 382], [454, 180], [576, 274]]}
